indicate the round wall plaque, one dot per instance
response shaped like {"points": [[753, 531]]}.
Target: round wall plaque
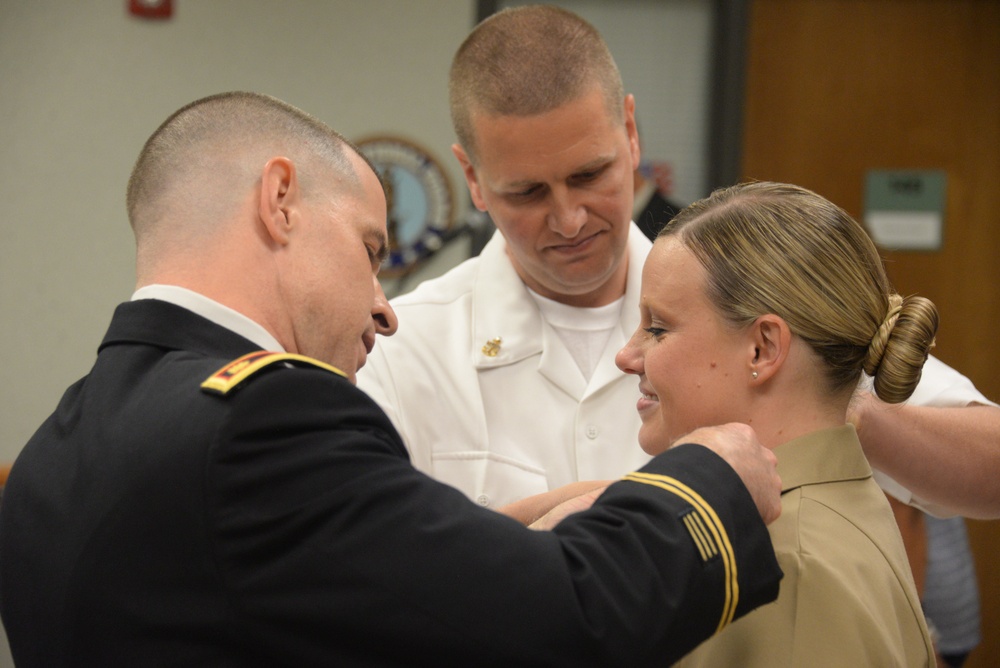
{"points": [[419, 199]]}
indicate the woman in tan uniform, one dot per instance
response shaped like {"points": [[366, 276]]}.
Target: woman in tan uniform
{"points": [[764, 303]]}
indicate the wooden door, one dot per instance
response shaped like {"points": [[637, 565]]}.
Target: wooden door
{"points": [[838, 87]]}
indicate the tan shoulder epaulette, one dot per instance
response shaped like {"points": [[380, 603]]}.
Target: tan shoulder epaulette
{"points": [[230, 376]]}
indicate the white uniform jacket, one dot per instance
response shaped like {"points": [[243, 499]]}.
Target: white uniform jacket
{"points": [[521, 421]]}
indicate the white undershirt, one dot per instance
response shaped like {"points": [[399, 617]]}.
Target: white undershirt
{"points": [[212, 310], [584, 331]]}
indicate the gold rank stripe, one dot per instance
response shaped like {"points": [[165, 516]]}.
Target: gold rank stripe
{"points": [[715, 538], [230, 376], [706, 546]]}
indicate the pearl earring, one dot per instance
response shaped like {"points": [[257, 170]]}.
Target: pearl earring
{"points": [[753, 375]]}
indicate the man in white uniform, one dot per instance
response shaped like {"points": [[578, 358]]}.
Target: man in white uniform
{"points": [[502, 379]]}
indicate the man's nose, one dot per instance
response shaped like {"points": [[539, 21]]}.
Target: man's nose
{"points": [[567, 214], [382, 313]]}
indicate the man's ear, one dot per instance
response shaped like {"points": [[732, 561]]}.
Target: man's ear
{"points": [[470, 176], [279, 198], [632, 130], [771, 339]]}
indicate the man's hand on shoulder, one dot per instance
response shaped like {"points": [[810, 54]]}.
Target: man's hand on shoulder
{"points": [[756, 465]]}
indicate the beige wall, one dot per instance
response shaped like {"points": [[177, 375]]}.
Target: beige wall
{"points": [[82, 84]]}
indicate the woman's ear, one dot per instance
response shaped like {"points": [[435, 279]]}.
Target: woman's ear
{"points": [[772, 340], [279, 198]]}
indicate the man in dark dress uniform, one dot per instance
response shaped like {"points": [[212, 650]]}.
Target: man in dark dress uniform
{"points": [[216, 491]]}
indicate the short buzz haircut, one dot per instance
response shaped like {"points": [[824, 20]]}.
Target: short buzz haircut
{"points": [[209, 133], [529, 60]]}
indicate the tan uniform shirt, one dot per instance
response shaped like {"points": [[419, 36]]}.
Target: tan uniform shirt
{"points": [[848, 597]]}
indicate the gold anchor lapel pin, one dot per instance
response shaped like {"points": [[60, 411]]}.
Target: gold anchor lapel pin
{"points": [[492, 347]]}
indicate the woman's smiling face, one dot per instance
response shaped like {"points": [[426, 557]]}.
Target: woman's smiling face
{"points": [[693, 365]]}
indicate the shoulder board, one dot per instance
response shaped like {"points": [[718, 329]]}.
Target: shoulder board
{"points": [[230, 376]]}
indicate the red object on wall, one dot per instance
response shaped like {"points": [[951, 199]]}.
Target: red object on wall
{"points": [[151, 9]]}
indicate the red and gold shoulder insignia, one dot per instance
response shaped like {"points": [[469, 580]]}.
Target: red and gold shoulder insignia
{"points": [[236, 372]]}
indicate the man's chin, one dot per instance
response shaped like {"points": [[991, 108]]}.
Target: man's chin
{"points": [[586, 275], [578, 288], [352, 373]]}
